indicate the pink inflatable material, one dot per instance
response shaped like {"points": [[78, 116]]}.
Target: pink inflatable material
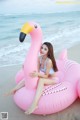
{"points": [[61, 95]]}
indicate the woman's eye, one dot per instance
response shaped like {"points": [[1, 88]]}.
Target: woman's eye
{"points": [[45, 49], [35, 26]]}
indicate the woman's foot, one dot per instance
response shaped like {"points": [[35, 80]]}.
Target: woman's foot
{"points": [[31, 109], [10, 93]]}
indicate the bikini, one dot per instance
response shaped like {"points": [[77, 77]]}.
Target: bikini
{"points": [[44, 68]]}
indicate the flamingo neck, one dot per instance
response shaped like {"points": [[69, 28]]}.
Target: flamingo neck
{"points": [[34, 49], [31, 62], [35, 45]]}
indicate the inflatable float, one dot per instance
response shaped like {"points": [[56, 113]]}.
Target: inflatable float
{"points": [[54, 97]]}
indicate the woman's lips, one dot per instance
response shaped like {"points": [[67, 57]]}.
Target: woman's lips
{"points": [[41, 52]]}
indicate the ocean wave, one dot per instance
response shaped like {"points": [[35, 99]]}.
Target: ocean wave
{"points": [[63, 22], [15, 53], [10, 49], [62, 30]]}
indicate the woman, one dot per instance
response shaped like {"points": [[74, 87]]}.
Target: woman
{"points": [[46, 64]]}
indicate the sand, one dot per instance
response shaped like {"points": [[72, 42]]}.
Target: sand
{"points": [[7, 82]]}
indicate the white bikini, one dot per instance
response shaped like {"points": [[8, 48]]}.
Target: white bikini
{"points": [[44, 68]]}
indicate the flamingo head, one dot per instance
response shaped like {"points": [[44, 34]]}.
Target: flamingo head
{"points": [[31, 28]]}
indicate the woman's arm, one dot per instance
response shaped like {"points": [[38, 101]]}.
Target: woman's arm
{"points": [[46, 75]]}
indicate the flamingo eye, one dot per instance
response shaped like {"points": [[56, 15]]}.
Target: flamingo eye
{"points": [[35, 26]]}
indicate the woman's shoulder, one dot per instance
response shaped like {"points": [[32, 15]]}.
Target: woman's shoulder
{"points": [[49, 61]]}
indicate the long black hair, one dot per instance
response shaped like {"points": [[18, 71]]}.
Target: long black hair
{"points": [[51, 55]]}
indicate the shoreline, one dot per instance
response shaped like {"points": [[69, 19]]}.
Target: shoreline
{"points": [[70, 50]]}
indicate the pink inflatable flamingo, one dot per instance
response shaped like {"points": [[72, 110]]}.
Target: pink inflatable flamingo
{"points": [[55, 97]]}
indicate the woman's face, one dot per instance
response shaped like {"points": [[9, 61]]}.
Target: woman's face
{"points": [[44, 49]]}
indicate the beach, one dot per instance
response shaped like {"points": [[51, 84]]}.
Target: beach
{"points": [[7, 82]]}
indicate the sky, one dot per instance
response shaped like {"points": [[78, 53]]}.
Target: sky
{"points": [[36, 6]]}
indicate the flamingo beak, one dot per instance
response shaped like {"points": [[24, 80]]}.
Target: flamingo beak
{"points": [[27, 28]]}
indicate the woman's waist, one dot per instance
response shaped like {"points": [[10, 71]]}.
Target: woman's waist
{"points": [[51, 72]]}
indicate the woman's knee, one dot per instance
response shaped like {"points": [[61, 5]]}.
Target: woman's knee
{"points": [[41, 80]]}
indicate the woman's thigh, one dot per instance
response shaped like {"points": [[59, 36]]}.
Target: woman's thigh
{"points": [[47, 81]]}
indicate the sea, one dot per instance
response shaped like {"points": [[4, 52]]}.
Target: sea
{"points": [[61, 29]]}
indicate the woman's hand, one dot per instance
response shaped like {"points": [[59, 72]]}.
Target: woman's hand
{"points": [[34, 74]]}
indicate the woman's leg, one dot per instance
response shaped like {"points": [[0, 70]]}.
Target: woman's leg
{"points": [[18, 86], [41, 84]]}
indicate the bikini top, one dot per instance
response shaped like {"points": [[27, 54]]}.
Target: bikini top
{"points": [[43, 69]]}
